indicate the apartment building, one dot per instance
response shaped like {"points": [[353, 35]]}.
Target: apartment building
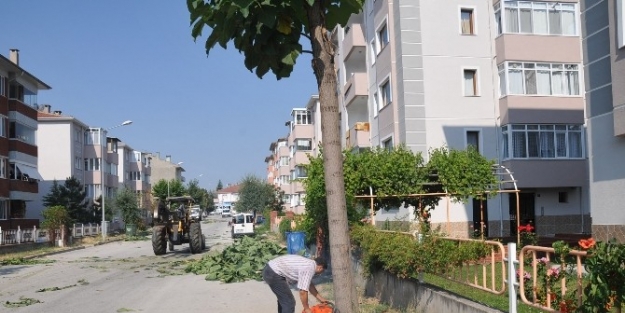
{"points": [[280, 168], [137, 171], [19, 176], [61, 142], [286, 166], [431, 73], [603, 29], [165, 168]]}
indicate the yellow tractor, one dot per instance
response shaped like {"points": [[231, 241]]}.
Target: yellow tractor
{"points": [[174, 224]]}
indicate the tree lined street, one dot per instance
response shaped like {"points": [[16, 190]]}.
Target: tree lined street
{"points": [[126, 276]]}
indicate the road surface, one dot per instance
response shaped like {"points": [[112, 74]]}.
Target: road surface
{"points": [[126, 276]]}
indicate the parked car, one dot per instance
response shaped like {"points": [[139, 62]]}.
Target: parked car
{"points": [[242, 225]]}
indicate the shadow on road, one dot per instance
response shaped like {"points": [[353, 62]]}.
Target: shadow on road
{"points": [[8, 270]]}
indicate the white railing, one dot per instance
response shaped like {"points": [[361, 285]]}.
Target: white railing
{"points": [[37, 235]]}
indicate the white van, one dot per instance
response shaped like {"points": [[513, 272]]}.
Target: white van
{"points": [[225, 212], [243, 225]]}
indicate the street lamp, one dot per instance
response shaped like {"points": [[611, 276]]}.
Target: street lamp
{"points": [[102, 163], [177, 164]]}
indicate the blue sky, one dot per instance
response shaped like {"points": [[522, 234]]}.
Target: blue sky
{"points": [[116, 60]]}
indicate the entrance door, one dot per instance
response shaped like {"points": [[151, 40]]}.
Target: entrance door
{"points": [[527, 210], [477, 216]]}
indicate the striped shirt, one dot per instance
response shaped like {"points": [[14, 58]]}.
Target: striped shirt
{"points": [[295, 268]]}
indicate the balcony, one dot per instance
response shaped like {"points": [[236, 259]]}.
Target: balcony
{"points": [[358, 136], [355, 89], [548, 173], [354, 45]]}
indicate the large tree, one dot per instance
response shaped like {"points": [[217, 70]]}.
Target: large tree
{"points": [[268, 33], [163, 188], [255, 194], [73, 197]]}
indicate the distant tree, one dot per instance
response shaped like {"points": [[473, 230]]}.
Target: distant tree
{"points": [[54, 197], [162, 189], [255, 194], [220, 186], [197, 193], [126, 203], [73, 197], [210, 200]]}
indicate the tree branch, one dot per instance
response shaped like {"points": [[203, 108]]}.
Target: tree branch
{"points": [[307, 51]]}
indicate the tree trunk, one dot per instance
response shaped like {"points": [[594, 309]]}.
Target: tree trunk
{"points": [[345, 294]]}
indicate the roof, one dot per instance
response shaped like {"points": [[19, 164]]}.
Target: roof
{"points": [[12, 67], [229, 189], [52, 117]]}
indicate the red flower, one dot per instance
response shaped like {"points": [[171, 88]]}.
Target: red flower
{"points": [[527, 228], [587, 243]]}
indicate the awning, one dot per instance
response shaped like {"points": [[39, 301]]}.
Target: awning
{"points": [[30, 171]]}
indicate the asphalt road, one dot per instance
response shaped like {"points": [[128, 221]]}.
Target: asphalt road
{"points": [[126, 276]]}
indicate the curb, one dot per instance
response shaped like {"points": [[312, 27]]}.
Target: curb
{"points": [[71, 249]]}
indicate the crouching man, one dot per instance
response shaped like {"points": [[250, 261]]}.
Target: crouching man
{"points": [[279, 271]]}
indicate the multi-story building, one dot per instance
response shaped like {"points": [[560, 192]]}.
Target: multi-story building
{"points": [[281, 174], [165, 168], [287, 163], [427, 74], [227, 197], [603, 28], [136, 170], [61, 151], [19, 176]]}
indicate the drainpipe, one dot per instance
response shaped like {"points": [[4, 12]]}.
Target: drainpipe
{"points": [[581, 207]]}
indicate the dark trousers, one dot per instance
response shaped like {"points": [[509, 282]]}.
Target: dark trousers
{"points": [[279, 286]]}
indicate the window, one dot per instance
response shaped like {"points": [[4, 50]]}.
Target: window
{"points": [[3, 123], [382, 37], [466, 22], [92, 164], [385, 93], [470, 83], [300, 172], [473, 139], [284, 161], [22, 133], [538, 18], [302, 117], [3, 167], [376, 105], [93, 191], [388, 144], [284, 179], [524, 78], [4, 209], [281, 144], [303, 144], [77, 162], [113, 169], [3, 91], [542, 141], [92, 136], [134, 175], [563, 197]]}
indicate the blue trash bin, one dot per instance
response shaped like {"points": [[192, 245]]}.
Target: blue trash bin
{"points": [[296, 242]]}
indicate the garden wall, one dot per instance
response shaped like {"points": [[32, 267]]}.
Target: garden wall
{"points": [[409, 294]]}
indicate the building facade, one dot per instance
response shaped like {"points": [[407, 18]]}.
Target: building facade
{"points": [[135, 173], [61, 141], [19, 176], [603, 28], [428, 74]]}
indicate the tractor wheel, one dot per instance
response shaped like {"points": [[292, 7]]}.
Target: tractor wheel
{"points": [[195, 238], [203, 243], [159, 240]]}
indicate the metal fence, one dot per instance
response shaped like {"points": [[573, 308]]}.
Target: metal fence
{"points": [[38, 235]]}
